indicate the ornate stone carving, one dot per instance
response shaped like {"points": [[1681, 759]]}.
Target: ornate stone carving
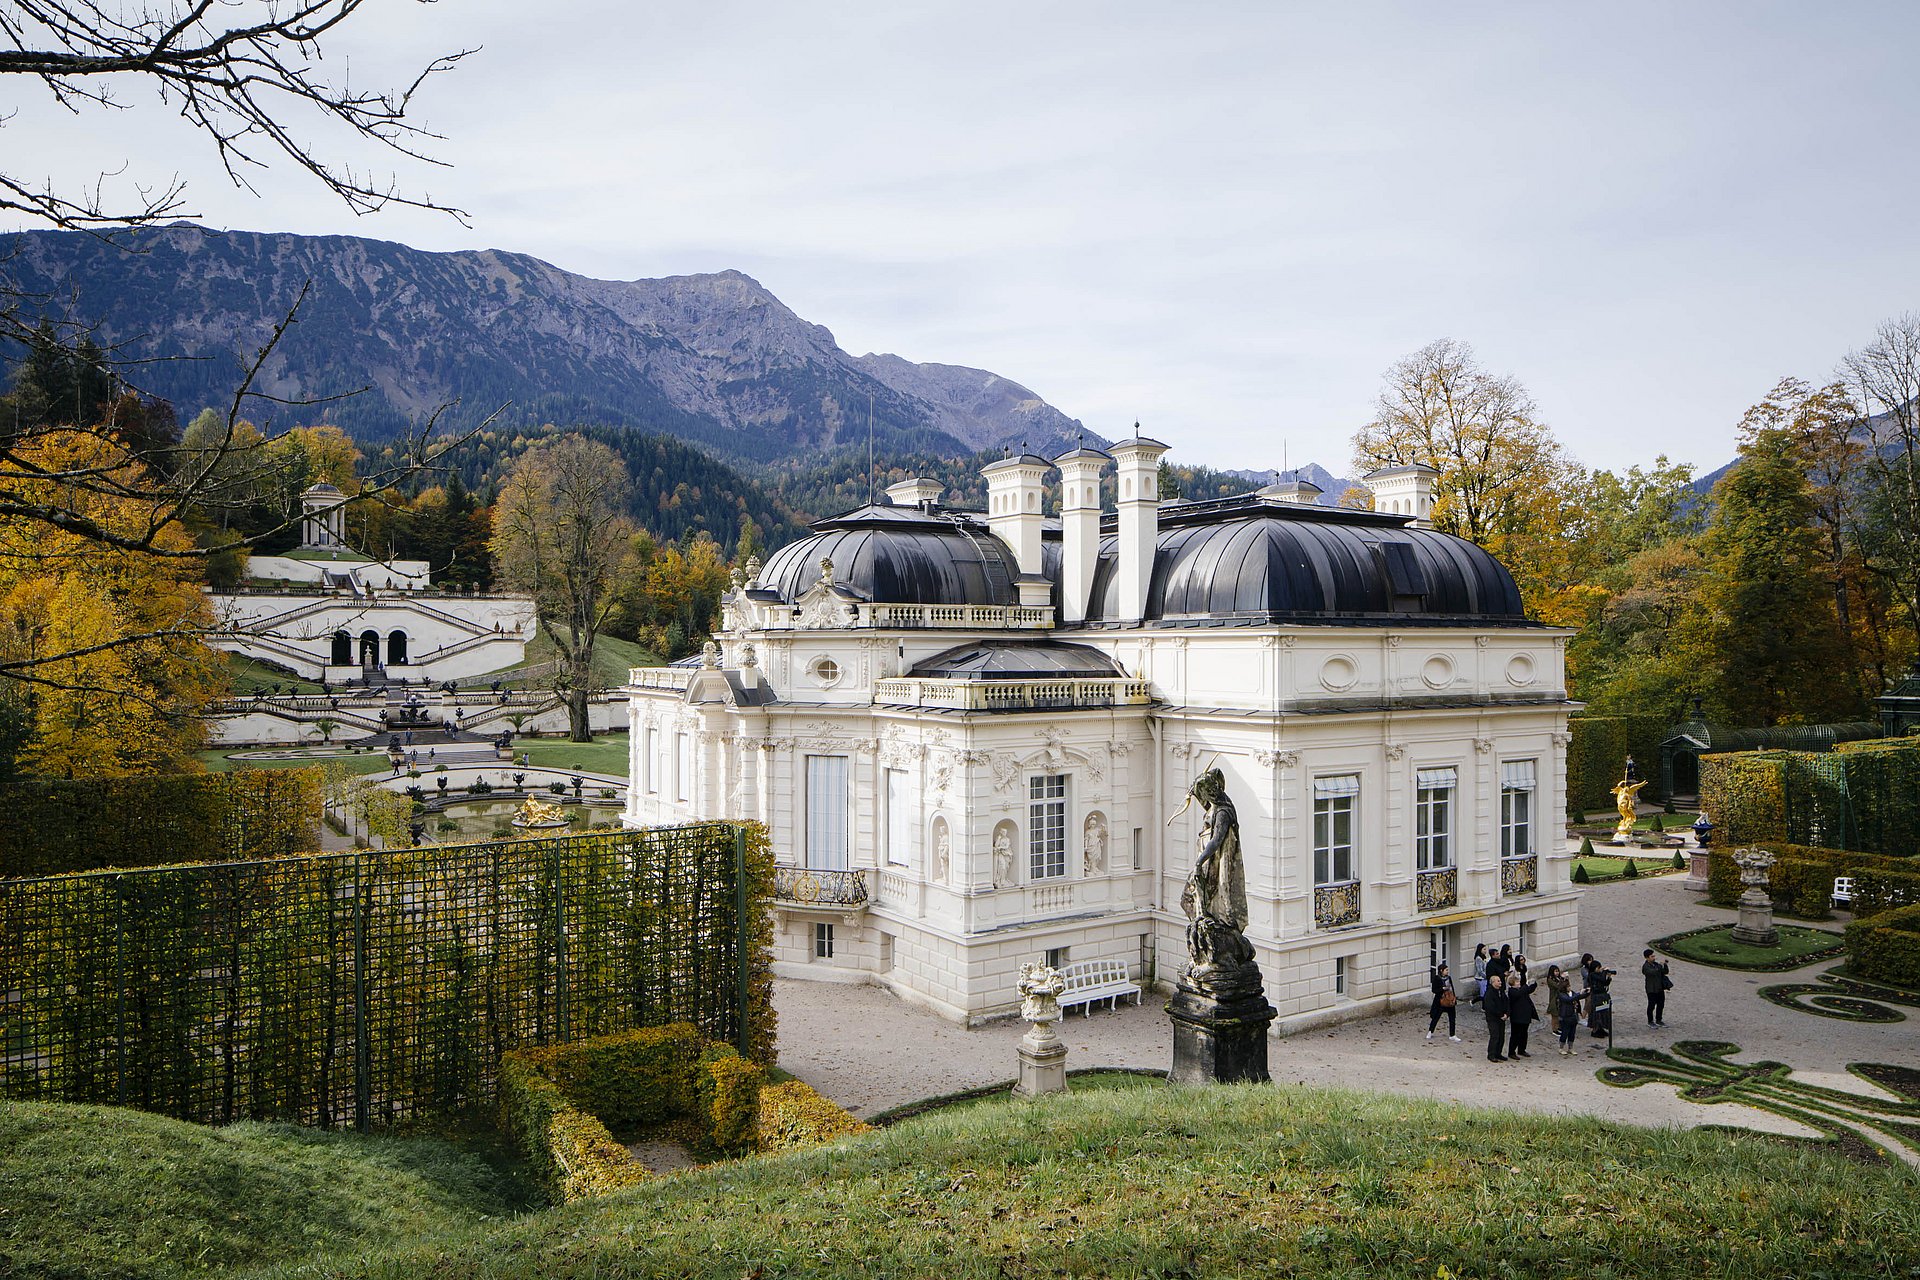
{"points": [[942, 850], [1276, 759], [1215, 898], [1093, 844], [1180, 750], [1004, 873], [1006, 771], [1396, 751], [1483, 745]]}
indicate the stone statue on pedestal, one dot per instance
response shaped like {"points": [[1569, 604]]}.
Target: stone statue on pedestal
{"points": [[1756, 901], [1219, 1009]]}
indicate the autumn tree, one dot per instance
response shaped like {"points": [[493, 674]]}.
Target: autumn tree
{"points": [[1884, 376], [1776, 645], [1504, 482], [102, 649], [559, 534]]}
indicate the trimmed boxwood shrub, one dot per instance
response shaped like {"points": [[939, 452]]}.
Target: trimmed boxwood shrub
{"points": [[1862, 795], [793, 1115], [1877, 889], [1886, 947], [1801, 882]]}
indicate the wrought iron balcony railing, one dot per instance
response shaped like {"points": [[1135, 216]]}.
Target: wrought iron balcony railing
{"points": [[809, 886], [1436, 890], [1520, 875], [1336, 904]]}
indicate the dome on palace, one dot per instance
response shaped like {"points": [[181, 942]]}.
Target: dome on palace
{"points": [[1017, 660], [898, 555], [1244, 560]]}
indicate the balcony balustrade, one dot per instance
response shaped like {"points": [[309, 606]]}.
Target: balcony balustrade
{"points": [[1335, 905], [1436, 890], [809, 886], [1011, 695], [1520, 875]]}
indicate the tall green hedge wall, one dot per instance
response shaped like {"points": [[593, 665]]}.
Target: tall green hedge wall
{"points": [[1863, 796], [1597, 751], [375, 988], [1801, 882], [1887, 947], [52, 827]]}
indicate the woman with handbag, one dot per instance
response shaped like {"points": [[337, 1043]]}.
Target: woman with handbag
{"points": [[1444, 1001]]}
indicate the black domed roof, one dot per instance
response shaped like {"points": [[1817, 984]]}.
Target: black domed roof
{"points": [[899, 555], [1252, 560], [1017, 660]]}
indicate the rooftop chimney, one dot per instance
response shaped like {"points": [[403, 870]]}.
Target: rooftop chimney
{"points": [[916, 492], [1079, 528], [1404, 491], [1138, 478], [1016, 492]]}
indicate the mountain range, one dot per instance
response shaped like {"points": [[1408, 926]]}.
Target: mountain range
{"points": [[714, 359]]}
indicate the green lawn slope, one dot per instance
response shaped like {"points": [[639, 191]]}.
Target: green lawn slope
{"points": [[1137, 1180], [99, 1191]]}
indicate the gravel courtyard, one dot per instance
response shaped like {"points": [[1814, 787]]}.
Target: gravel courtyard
{"points": [[869, 1052]]}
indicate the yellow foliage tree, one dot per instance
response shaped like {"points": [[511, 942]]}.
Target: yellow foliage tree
{"points": [[103, 644]]}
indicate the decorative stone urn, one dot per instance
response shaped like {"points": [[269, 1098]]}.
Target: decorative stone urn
{"points": [[1043, 1057], [1756, 904]]}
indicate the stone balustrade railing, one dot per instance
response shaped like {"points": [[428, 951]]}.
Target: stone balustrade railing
{"points": [[1010, 695]]}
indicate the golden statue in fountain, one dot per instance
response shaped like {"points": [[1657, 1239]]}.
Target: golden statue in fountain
{"points": [[1626, 797], [538, 813]]}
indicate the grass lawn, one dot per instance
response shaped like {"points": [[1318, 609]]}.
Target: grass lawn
{"points": [[612, 657], [218, 761], [1134, 1179], [249, 676], [1716, 946], [1672, 822], [1601, 867], [607, 753], [98, 1191]]}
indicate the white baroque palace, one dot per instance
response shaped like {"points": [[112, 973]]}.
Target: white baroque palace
{"points": [[970, 735]]}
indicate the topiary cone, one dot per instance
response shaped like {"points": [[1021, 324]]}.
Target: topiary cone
{"points": [[1631, 871], [1586, 846], [1580, 875]]}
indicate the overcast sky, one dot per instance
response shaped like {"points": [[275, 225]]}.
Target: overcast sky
{"points": [[1223, 220]]}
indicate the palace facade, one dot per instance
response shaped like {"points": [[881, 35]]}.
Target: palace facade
{"points": [[970, 735]]}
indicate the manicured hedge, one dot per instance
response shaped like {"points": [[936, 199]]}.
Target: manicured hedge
{"points": [[1883, 889], [374, 988], [57, 827], [571, 1108], [1862, 795], [1801, 881], [1886, 947], [1597, 751]]}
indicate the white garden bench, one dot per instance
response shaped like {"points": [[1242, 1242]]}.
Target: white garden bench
{"points": [[1092, 980], [1843, 891]]}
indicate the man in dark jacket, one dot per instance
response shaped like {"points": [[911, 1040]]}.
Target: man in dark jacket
{"points": [[1495, 1007], [1520, 1014], [1655, 972], [1502, 963]]}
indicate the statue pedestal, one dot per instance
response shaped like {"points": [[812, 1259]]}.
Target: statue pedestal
{"points": [[1043, 1064], [1220, 1028], [1756, 921]]}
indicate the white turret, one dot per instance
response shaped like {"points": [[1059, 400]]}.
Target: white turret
{"points": [[916, 492], [1404, 491], [1016, 494], [323, 521]]}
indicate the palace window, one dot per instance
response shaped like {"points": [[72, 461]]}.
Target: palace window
{"points": [[1433, 819], [899, 818], [822, 941], [649, 759], [1516, 808], [683, 766], [1047, 826], [827, 812], [1333, 800]]}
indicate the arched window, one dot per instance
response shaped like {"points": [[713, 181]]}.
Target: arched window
{"points": [[369, 648], [342, 649], [397, 649]]}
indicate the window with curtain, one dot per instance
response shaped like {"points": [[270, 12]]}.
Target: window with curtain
{"points": [[1516, 808], [1047, 826], [827, 812], [1333, 803], [899, 818], [1433, 818]]}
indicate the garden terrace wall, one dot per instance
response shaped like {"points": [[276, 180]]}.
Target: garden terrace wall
{"points": [[375, 988], [56, 827], [1597, 751], [1863, 796]]}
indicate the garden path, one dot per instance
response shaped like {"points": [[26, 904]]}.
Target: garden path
{"points": [[869, 1051]]}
